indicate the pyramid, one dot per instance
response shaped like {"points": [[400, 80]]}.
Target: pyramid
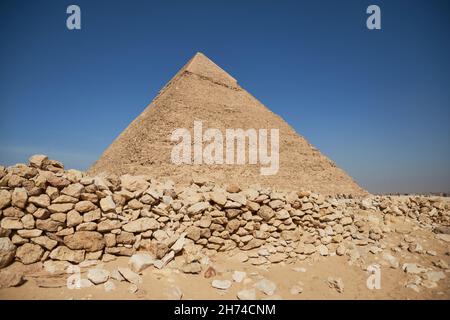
{"points": [[202, 91]]}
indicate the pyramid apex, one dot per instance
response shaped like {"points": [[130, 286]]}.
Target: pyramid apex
{"points": [[201, 65]]}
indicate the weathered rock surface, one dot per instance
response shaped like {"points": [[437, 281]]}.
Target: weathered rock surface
{"points": [[85, 240], [130, 276], [140, 261], [98, 276], [141, 225], [67, 216], [7, 252], [10, 279], [29, 253]]}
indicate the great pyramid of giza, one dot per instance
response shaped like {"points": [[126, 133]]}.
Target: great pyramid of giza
{"points": [[202, 91]]}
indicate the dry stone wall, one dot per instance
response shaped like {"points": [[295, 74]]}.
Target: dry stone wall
{"points": [[48, 213]]}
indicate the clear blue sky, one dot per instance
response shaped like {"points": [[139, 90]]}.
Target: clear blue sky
{"points": [[376, 102]]}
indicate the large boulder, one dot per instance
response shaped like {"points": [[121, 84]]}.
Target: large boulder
{"points": [[19, 197], [198, 208], [73, 190], [38, 160], [9, 279], [5, 198], [60, 207], [74, 218], [13, 212], [65, 254], [266, 213], [29, 253], [108, 225], [85, 240], [193, 233], [107, 204], [45, 242], [11, 224], [85, 206], [42, 201], [134, 183], [57, 182], [219, 197], [48, 225], [7, 252]]}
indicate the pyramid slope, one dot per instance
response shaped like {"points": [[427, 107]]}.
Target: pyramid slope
{"points": [[203, 91]]}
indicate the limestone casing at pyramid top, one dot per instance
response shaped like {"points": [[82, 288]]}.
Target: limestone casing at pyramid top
{"points": [[204, 67]]}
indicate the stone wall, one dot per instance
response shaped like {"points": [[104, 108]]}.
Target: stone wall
{"points": [[47, 212]]}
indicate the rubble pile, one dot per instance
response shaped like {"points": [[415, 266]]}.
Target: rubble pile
{"points": [[49, 213]]}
